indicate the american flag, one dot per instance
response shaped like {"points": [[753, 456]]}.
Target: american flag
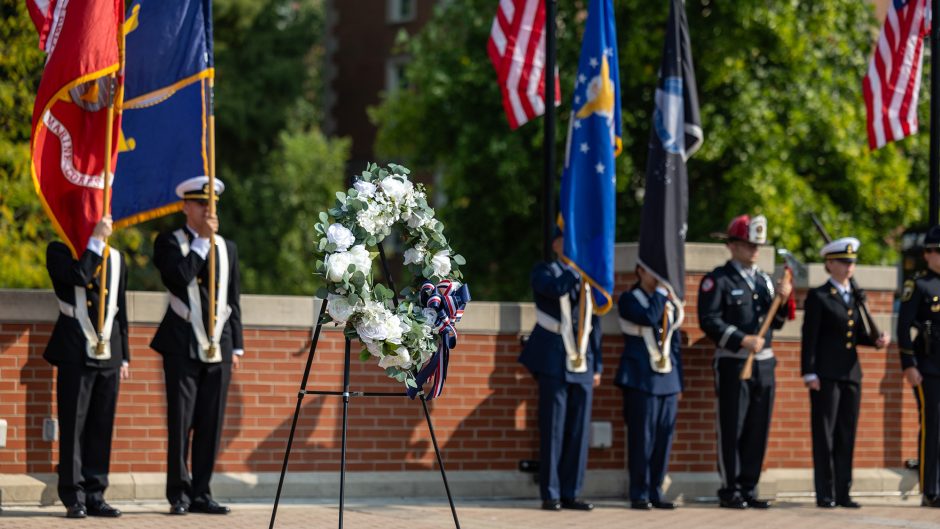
{"points": [[517, 50], [892, 84]]}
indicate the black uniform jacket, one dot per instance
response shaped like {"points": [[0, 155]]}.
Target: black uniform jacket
{"points": [[175, 336], [831, 330], [920, 309], [67, 343], [728, 309]]}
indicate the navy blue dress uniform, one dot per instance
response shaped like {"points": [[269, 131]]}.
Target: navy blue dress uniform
{"points": [[564, 360], [832, 328], [650, 376], [733, 301], [920, 310], [87, 378], [197, 367]]}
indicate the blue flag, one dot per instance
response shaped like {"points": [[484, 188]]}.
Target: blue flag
{"points": [[167, 101], [588, 183]]}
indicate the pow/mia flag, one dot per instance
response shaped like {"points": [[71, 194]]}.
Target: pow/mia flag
{"points": [[676, 135]]}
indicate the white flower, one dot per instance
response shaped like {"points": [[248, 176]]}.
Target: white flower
{"points": [[375, 324], [340, 236], [430, 315], [339, 308], [360, 258], [396, 189], [441, 263], [366, 219], [400, 358], [414, 255], [394, 329], [336, 265], [365, 189], [375, 349]]}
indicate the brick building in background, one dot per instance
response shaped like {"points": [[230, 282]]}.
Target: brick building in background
{"points": [[362, 63], [486, 421]]}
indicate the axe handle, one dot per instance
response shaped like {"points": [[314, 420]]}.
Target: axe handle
{"points": [[748, 368]]}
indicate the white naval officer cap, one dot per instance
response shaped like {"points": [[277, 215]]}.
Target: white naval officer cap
{"points": [[845, 248], [197, 188]]}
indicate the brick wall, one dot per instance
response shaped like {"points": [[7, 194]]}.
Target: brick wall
{"points": [[486, 419]]}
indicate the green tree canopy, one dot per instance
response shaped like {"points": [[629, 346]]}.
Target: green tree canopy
{"points": [[784, 120], [279, 168]]}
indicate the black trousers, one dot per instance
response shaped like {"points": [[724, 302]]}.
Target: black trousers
{"points": [[834, 415], [744, 410], [196, 395], [928, 404], [87, 399]]}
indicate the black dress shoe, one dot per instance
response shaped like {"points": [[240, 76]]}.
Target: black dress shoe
{"points": [[641, 505], [930, 501], [826, 504], [208, 507], [551, 505], [179, 508], [103, 509], [754, 503], [666, 505], [76, 511], [577, 505], [848, 503], [733, 503]]}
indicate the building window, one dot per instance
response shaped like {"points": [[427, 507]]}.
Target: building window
{"points": [[395, 77], [400, 10]]}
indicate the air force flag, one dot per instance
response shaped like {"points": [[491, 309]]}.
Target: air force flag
{"points": [[676, 135], [588, 183]]}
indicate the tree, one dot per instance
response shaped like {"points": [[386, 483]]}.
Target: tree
{"points": [[24, 228], [780, 86]]}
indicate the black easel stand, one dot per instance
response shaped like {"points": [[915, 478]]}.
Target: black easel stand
{"points": [[346, 394]]}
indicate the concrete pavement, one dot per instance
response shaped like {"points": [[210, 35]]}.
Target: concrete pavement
{"points": [[878, 512]]}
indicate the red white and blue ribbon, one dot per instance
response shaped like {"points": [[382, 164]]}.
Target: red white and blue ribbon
{"points": [[448, 299]]}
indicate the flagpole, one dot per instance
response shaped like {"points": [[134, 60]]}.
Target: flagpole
{"points": [[934, 208], [212, 254], [548, 179], [105, 210]]}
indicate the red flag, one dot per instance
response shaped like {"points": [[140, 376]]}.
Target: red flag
{"points": [[83, 42], [517, 50], [892, 84]]}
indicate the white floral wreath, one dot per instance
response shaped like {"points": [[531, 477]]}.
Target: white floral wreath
{"points": [[406, 337]]}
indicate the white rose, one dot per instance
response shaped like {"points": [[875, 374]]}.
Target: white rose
{"points": [[374, 323], [396, 189], [400, 358], [340, 236], [360, 258], [365, 189], [371, 330], [394, 329], [339, 308], [414, 256], [441, 263], [336, 265]]}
